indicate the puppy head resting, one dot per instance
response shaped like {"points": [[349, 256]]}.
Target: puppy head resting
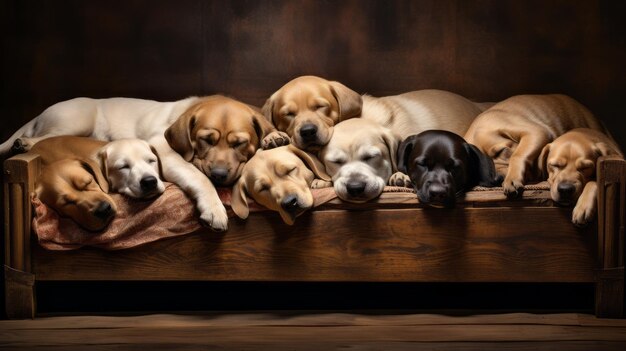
{"points": [[218, 135], [360, 157], [78, 190], [442, 165], [132, 168], [279, 180], [308, 107], [569, 162]]}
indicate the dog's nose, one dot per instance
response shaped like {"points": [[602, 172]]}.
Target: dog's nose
{"points": [[219, 175], [437, 193], [355, 187], [308, 131], [290, 203], [566, 190], [148, 183], [104, 210]]}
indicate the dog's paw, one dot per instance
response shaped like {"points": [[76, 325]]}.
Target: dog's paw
{"points": [[215, 218], [513, 187], [583, 213], [319, 184], [400, 179], [275, 139], [20, 146]]}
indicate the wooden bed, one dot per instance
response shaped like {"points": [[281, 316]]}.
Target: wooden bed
{"points": [[485, 239]]}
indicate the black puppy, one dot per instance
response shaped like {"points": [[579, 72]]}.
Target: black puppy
{"points": [[442, 166]]}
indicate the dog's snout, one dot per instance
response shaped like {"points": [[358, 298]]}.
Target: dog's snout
{"points": [[308, 131], [148, 183], [566, 190], [355, 187], [290, 203], [104, 210], [219, 174], [437, 193]]}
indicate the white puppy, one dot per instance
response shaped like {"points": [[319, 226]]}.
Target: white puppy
{"points": [[121, 118], [361, 159]]}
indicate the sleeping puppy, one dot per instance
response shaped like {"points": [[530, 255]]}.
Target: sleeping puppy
{"points": [[77, 189], [218, 135], [570, 164], [514, 131], [442, 166], [279, 179], [131, 166], [308, 107], [361, 159]]}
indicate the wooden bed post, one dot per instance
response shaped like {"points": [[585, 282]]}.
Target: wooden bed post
{"points": [[611, 244], [20, 173]]}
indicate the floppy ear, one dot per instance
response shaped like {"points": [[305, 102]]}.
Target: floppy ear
{"points": [[103, 155], [391, 140], [404, 152], [178, 135], [543, 160], [312, 162], [481, 168], [268, 109], [154, 151], [262, 126], [603, 149], [93, 168], [350, 103], [238, 199]]}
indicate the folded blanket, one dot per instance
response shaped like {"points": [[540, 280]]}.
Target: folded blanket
{"points": [[171, 214]]}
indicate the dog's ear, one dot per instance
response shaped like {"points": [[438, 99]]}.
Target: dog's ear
{"points": [[603, 149], [481, 168], [542, 161], [391, 140], [103, 156], [312, 162], [238, 199], [93, 168], [350, 102], [268, 109], [404, 152], [262, 126], [154, 151], [178, 135]]}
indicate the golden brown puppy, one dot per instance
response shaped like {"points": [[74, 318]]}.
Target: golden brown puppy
{"points": [[279, 179], [308, 107], [570, 162], [218, 135], [514, 131], [77, 189]]}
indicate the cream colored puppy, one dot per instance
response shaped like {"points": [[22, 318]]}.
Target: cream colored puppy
{"points": [[570, 162], [361, 159], [279, 179], [514, 131], [308, 107]]}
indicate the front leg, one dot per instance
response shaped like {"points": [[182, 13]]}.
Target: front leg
{"points": [[195, 184], [522, 161], [586, 206]]}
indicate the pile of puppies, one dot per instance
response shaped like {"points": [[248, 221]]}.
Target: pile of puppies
{"points": [[311, 133]]}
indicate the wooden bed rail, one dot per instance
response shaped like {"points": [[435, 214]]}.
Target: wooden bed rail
{"points": [[20, 173], [611, 177]]}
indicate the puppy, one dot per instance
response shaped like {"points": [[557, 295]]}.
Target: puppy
{"points": [[131, 166], [442, 166], [570, 164], [218, 135], [77, 189], [514, 131], [279, 180], [308, 107], [361, 158]]}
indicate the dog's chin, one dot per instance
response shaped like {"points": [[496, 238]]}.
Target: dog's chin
{"points": [[290, 217], [447, 203]]}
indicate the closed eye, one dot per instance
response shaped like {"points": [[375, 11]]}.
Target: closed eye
{"points": [[264, 187], [369, 157], [338, 162], [151, 161], [239, 143], [124, 166]]}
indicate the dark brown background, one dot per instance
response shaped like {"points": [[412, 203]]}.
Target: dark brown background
{"points": [[486, 50], [165, 50]]}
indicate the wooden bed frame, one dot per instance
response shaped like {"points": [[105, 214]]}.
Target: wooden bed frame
{"points": [[484, 239]]}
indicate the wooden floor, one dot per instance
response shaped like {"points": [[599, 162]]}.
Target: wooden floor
{"points": [[316, 331]]}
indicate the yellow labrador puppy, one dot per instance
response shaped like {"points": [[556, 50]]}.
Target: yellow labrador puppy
{"points": [[361, 159], [570, 162], [279, 179], [131, 166], [77, 189], [514, 131], [308, 107]]}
